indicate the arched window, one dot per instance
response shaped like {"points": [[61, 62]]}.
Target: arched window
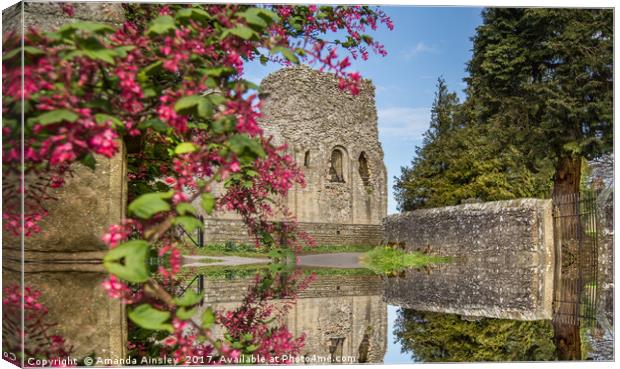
{"points": [[336, 165], [307, 159], [363, 169]]}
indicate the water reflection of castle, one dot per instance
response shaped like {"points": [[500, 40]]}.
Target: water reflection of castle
{"points": [[344, 318]]}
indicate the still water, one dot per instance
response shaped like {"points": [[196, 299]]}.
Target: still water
{"points": [[458, 312]]}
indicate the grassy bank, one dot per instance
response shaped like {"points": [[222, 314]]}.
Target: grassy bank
{"points": [[386, 260], [248, 271], [245, 250]]}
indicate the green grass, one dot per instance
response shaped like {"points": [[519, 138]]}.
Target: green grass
{"points": [[386, 260], [247, 271], [245, 250], [222, 271], [206, 260]]}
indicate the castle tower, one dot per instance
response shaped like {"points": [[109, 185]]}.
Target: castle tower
{"points": [[333, 137]]}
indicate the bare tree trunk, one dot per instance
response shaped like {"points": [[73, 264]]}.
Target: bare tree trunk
{"points": [[565, 189], [567, 176], [566, 330]]}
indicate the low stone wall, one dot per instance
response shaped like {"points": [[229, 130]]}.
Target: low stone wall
{"points": [[481, 230], [504, 258], [223, 230], [235, 290], [506, 289]]}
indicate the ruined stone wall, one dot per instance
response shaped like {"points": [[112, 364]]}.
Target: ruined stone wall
{"points": [[63, 261], [224, 230], [306, 110], [503, 259], [514, 228], [605, 209], [518, 289], [346, 307], [48, 15]]}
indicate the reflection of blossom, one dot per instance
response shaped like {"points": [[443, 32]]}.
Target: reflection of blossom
{"points": [[116, 289], [38, 342], [174, 260]]}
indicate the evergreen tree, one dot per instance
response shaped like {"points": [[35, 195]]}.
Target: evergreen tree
{"points": [[418, 185], [438, 337], [545, 78], [461, 159]]}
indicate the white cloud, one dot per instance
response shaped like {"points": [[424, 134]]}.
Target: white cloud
{"points": [[403, 123], [419, 48]]}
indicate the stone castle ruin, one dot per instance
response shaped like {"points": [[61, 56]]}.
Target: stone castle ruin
{"points": [[333, 137]]}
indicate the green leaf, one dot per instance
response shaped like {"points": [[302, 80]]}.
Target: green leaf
{"points": [[252, 348], [243, 145], [8, 55], [150, 70], [216, 99], [184, 148], [196, 14], [251, 17], [122, 50], [91, 27], [217, 71], [194, 103], [188, 223], [186, 208], [249, 84], [104, 118], [208, 318], [161, 25], [287, 53], [28, 50], [243, 32], [149, 92], [208, 202], [56, 116], [156, 124], [268, 15], [105, 55], [89, 161], [189, 298], [148, 317], [184, 313], [128, 261], [149, 204]]}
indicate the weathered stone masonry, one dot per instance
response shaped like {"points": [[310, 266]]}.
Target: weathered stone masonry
{"points": [[505, 266], [64, 260], [349, 310], [333, 137], [492, 229]]}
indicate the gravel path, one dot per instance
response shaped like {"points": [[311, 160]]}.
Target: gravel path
{"points": [[194, 261], [346, 260]]}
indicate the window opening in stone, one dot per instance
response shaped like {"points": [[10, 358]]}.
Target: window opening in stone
{"points": [[336, 345], [363, 169], [307, 159], [335, 169]]}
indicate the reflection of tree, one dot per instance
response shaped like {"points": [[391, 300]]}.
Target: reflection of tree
{"points": [[447, 337]]}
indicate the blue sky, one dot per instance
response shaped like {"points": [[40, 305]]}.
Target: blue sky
{"points": [[427, 42]]}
